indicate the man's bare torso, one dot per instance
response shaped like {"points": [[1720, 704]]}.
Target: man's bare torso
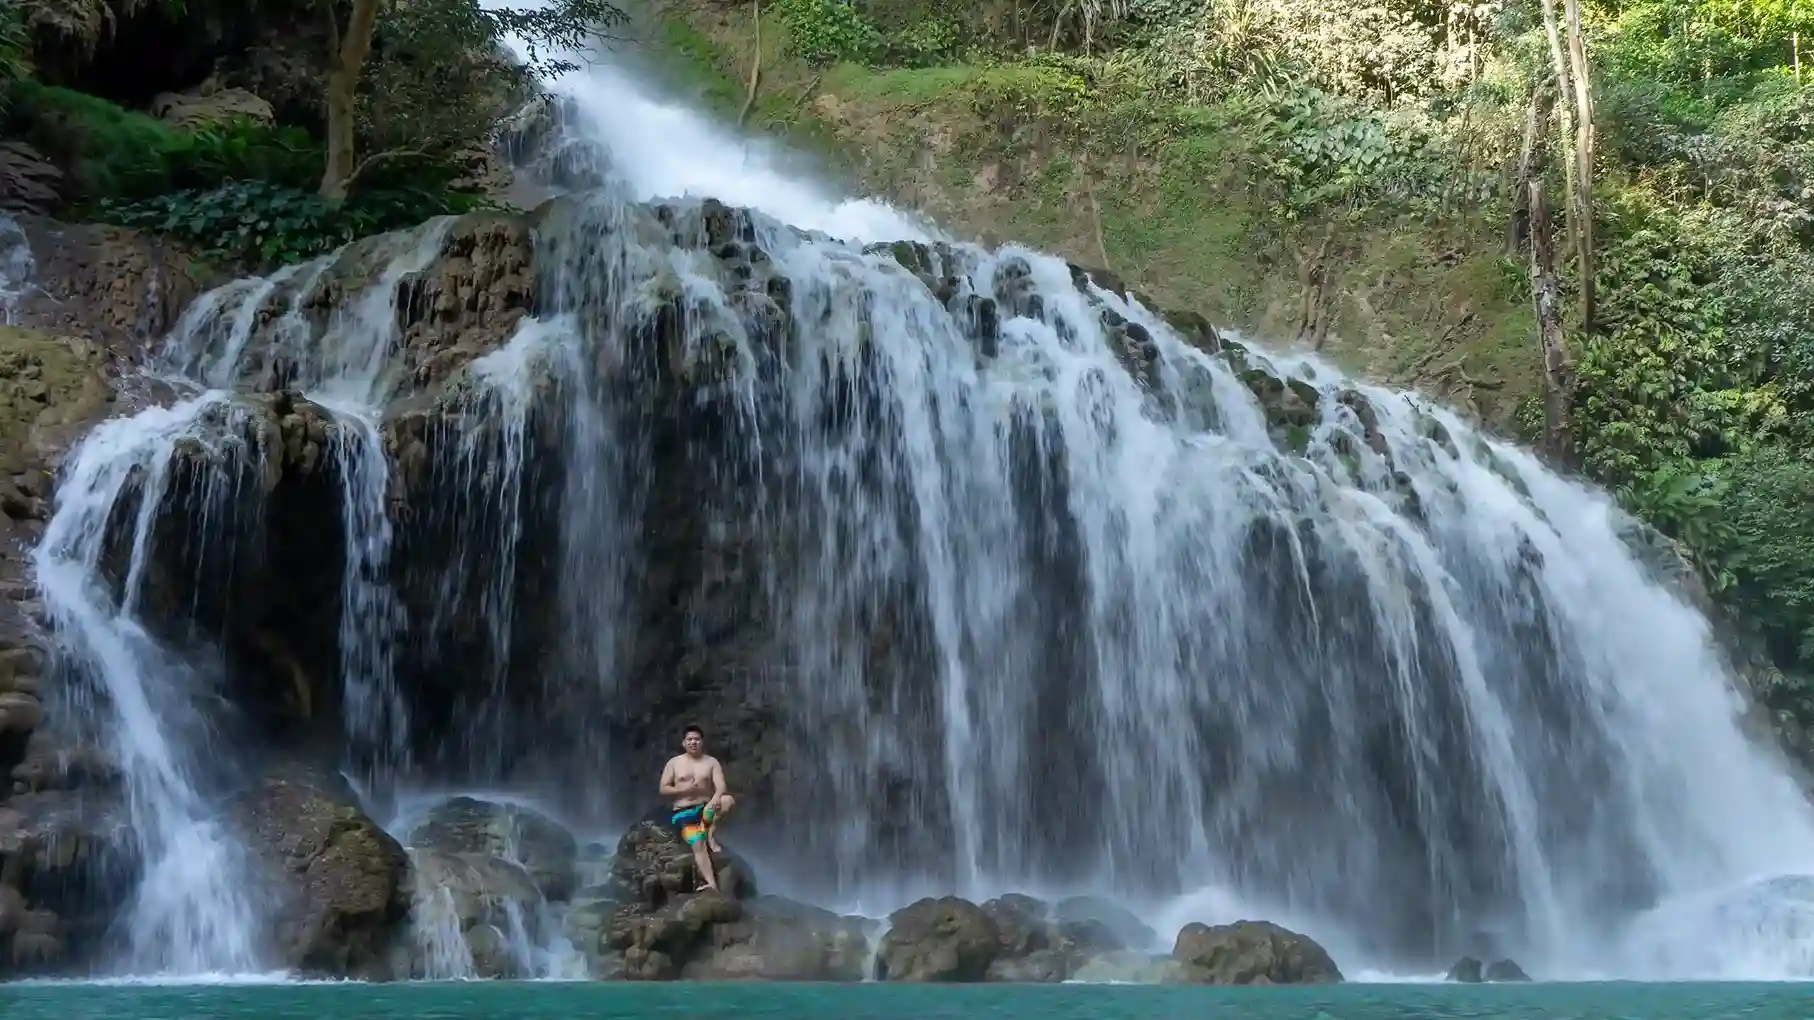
{"points": [[695, 776]]}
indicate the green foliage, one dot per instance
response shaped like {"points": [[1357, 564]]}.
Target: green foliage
{"points": [[828, 31], [1326, 153], [1764, 542], [259, 224], [1700, 42], [118, 153], [15, 54], [439, 79]]}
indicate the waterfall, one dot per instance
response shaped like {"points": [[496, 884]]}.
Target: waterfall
{"points": [[192, 912], [1014, 582]]}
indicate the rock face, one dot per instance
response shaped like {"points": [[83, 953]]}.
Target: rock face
{"points": [[1251, 953], [65, 850], [945, 939], [482, 900], [646, 923], [545, 851], [337, 879]]}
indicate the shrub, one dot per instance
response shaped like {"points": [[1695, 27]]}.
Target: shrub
{"points": [[258, 224]]}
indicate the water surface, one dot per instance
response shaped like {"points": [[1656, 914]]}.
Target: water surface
{"points": [[593, 1001]]}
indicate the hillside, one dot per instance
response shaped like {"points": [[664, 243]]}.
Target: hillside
{"points": [[1345, 181]]}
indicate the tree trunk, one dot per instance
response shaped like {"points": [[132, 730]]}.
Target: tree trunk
{"points": [[1564, 88], [346, 62], [1528, 162], [1550, 338], [1582, 212]]}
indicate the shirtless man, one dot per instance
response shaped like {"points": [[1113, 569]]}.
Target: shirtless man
{"points": [[696, 782]]}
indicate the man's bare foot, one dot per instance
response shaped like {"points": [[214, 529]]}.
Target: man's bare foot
{"points": [[713, 845]]}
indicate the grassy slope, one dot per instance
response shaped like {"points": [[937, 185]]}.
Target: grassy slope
{"points": [[1027, 152]]}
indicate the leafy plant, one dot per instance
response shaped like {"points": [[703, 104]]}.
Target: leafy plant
{"points": [[15, 53], [259, 224], [827, 31]]}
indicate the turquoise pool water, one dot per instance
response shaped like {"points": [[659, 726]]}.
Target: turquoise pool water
{"points": [[606, 1001]]}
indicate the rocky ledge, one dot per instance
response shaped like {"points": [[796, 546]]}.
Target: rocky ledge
{"points": [[503, 876]]}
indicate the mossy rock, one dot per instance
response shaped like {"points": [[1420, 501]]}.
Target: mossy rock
{"points": [[51, 387], [339, 881]]}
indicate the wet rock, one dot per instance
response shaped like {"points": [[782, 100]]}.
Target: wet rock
{"points": [[1505, 970], [116, 288], [337, 879], [1135, 348], [470, 300], [37, 942], [1431, 428], [64, 845], [1104, 924], [945, 939], [779, 940], [655, 866], [1015, 290], [11, 912], [478, 900], [1195, 330], [54, 762], [490, 949], [478, 889], [1020, 923], [655, 944], [1467, 971], [1250, 953], [20, 713], [1368, 416], [468, 826]]}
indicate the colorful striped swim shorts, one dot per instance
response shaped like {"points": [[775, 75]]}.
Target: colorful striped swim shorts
{"points": [[692, 821]]}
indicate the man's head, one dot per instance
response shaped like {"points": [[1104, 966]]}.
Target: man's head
{"points": [[692, 740]]}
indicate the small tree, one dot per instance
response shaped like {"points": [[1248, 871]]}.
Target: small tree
{"points": [[442, 73]]}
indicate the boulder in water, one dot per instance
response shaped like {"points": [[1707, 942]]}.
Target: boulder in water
{"points": [[943, 939], [779, 940], [1250, 953], [655, 866], [1505, 970], [646, 923], [1467, 971], [469, 826], [479, 889], [1104, 924], [339, 881], [1040, 943], [654, 944]]}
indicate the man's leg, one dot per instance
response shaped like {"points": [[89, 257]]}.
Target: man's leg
{"points": [[714, 817], [702, 860], [694, 831]]}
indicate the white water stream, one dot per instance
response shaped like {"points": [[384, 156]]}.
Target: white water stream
{"points": [[1357, 679]]}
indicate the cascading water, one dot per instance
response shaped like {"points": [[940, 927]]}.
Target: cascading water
{"points": [[192, 912], [16, 265], [1260, 629], [1049, 594]]}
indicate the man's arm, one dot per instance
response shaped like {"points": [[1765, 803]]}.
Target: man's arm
{"points": [[668, 789]]}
